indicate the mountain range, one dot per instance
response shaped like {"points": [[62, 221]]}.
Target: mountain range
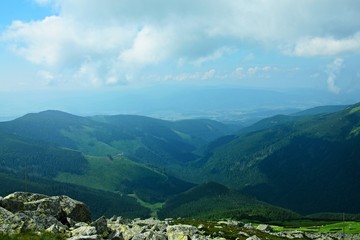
{"points": [[307, 162]]}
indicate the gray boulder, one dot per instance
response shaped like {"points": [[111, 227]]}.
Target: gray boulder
{"points": [[254, 237], [264, 228], [61, 207], [74, 209], [25, 196], [83, 231], [101, 226], [248, 226], [15, 223], [4, 213], [116, 235], [56, 228], [6, 225], [181, 232], [11, 205]]}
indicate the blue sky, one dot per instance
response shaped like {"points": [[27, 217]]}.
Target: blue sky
{"points": [[52, 47]]}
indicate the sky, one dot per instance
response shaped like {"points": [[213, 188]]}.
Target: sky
{"points": [[63, 54]]}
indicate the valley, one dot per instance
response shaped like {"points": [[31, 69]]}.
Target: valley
{"points": [[280, 168]]}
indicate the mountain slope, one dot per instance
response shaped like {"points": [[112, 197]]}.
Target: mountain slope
{"points": [[215, 201], [118, 174], [22, 156], [37, 158], [101, 203], [321, 110], [308, 164], [45, 126], [143, 139], [110, 145]]}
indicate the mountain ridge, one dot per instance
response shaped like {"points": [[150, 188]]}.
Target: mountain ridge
{"points": [[252, 159], [279, 160]]}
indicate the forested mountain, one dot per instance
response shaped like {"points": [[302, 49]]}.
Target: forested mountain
{"points": [[142, 139], [321, 110], [18, 155], [100, 202], [215, 201], [305, 163], [123, 154]]}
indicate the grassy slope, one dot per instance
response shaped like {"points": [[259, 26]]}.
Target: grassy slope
{"points": [[108, 175], [311, 226], [127, 177]]}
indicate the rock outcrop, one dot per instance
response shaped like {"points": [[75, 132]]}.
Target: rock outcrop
{"points": [[60, 207], [21, 212]]}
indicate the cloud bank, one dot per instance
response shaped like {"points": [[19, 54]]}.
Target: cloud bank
{"points": [[108, 42]]}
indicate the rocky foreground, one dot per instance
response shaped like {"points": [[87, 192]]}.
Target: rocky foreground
{"points": [[21, 212]]}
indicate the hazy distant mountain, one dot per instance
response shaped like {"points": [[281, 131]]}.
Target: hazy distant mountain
{"points": [[306, 163], [321, 110]]}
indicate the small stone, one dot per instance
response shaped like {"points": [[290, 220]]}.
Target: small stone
{"points": [[181, 232], [56, 228], [244, 234], [93, 237], [248, 226], [116, 235], [254, 237], [84, 231], [264, 228], [222, 222]]}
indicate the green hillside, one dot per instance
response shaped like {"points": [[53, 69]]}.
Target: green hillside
{"points": [[117, 174], [100, 202], [22, 156], [142, 139], [308, 164], [321, 110], [38, 158], [214, 201], [45, 126], [112, 145]]}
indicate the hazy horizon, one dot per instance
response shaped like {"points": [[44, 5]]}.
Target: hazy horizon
{"points": [[177, 60]]}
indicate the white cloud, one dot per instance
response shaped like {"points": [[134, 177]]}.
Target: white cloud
{"points": [[150, 46], [46, 75], [39, 42], [319, 46], [214, 55], [257, 69], [333, 70], [105, 41], [252, 70], [239, 72], [210, 74]]}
